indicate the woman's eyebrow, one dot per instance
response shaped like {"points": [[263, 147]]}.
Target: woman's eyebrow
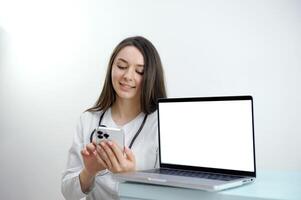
{"points": [[140, 66], [123, 60]]}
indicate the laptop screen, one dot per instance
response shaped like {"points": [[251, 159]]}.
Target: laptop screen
{"points": [[210, 132]]}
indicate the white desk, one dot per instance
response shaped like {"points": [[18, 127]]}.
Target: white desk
{"points": [[268, 185]]}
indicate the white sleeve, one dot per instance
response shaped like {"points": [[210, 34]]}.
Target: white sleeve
{"points": [[71, 188]]}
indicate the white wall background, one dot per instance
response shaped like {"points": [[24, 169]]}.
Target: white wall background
{"points": [[53, 56]]}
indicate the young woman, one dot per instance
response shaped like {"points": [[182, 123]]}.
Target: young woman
{"points": [[133, 82]]}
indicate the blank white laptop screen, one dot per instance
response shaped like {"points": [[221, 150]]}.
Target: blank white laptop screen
{"points": [[212, 134]]}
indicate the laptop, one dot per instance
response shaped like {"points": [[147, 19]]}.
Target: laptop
{"points": [[205, 143]]}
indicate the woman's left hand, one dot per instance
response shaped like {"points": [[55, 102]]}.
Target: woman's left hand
{"points": [[115, 159]]}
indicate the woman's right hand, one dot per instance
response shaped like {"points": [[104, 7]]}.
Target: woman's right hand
{"points": [[92, 162]]}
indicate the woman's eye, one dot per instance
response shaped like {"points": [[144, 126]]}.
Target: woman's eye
{"points": [[121, 67], [140, 72]]}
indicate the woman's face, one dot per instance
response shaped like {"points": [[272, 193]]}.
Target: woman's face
{"points": [[127, 73]]}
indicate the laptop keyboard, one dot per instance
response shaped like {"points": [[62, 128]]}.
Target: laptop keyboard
{"points": [[206, 175]]}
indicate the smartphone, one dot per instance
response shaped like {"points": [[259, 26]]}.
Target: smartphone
{"points": [[107, 133]]}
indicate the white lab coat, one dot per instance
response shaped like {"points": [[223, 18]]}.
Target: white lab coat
{"points": [[145, 149]]}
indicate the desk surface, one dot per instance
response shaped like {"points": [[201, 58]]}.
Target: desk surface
{"points": [[268, 185]]}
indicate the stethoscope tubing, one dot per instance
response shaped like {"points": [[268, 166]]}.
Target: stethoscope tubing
{"points": [[135, 136]]}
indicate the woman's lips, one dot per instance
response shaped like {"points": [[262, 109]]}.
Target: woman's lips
{"points": [[126, 85]]}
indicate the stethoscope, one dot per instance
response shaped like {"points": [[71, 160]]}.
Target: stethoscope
{"points": [[135, 136]]}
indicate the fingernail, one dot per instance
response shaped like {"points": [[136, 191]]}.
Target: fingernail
{"points": [[110, 143]]}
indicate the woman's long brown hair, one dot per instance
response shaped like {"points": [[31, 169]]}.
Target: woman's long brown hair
{"points": [[153, 84]]}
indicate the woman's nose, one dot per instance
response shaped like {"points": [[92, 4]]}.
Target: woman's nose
{"points": [[129, 74]]}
